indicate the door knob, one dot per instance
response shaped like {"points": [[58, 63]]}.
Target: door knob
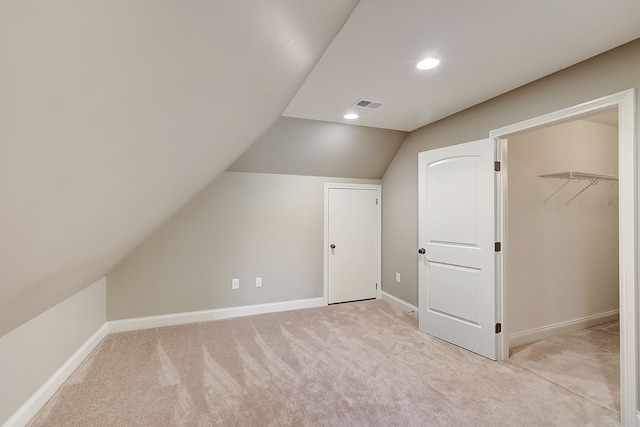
{"points": [[421, 251], [332, 246]]}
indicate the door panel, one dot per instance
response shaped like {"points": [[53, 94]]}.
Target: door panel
{"points": [[353, 230], [454, 291], [452, 208], [456, 228]]}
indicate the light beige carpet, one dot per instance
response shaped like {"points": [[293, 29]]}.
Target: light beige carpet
{"points": [[359, 364], [586, 362]]}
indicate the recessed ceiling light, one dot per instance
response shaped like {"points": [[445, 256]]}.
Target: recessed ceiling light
{"points": [[351, 116], [428, 64]]}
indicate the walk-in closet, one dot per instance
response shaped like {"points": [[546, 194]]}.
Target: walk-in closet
{"points": [[562, 259]]}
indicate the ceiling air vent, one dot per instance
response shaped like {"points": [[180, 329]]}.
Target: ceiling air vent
{"points": [[366, 103]]}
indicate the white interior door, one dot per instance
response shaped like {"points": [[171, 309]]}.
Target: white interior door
{"points": [[456, 233], [352, 238]]}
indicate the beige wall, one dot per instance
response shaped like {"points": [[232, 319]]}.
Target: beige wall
{"points": [[611, 72], [243, 225], [33, 352], [312, 148], [562, 262]]}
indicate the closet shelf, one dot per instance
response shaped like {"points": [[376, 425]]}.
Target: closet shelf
{"points": [[577, 177]]}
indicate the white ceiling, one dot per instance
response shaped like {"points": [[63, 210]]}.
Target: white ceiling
{"points": [[605, 117], [114, 113], [486, 48]]}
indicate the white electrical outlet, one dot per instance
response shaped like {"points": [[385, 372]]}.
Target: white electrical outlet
{"points": [[397, 277], [235, 283], [258, 282]]}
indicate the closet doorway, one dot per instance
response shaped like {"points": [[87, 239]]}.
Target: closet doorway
{"points": [[562, 204], [562, 264], [627, 232]]}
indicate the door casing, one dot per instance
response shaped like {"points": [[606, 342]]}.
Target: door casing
{"points": [[327, 187], [628, 217]]}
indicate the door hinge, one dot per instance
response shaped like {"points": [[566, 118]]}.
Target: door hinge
{"points": [[376, 201], [498, 328], [498, 246], [496, 166], [376, 286]]}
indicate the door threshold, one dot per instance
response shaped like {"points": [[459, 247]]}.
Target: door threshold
{"points": [[355, 300]]}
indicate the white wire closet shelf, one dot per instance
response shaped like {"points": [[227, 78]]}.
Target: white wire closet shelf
{"points": [[578, 177]]}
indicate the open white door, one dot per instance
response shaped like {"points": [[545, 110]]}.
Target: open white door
{"points": [[456, 223]]}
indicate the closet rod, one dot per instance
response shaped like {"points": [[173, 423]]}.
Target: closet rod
{"points": [[577, 177], [580, 176]]}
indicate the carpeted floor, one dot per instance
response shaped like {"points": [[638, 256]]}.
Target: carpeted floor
{"points": [[359, 364], [586, 363]]}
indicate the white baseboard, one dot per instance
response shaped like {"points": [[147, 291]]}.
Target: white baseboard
{"points": [[399, 304], [150, 322], [31, 407], [563, 328]]}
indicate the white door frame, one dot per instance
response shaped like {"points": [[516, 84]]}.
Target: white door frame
{"points": [[627, 190], [325, 251]]}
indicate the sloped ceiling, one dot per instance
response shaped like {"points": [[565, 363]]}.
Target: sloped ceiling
{"points": [[113, 114], [309, 147]]}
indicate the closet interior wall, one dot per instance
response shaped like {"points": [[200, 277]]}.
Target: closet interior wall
{"points": [[562, 263]]}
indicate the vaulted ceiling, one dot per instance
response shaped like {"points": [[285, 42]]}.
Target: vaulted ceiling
{"points": [[113, 114]]}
